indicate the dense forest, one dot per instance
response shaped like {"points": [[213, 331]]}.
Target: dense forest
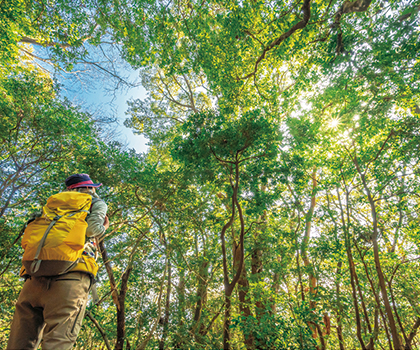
{"points": [[278, 204]]}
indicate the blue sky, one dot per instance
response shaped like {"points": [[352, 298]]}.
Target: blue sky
{"points": [[97, 101], [97, 95]]}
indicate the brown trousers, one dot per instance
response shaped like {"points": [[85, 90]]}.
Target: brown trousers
{"points": [[56, 303]]}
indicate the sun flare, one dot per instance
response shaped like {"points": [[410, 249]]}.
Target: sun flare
{"points": [[334, 123]]}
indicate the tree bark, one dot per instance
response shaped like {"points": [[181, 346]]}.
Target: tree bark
{"points": [[305, 257], [375, 294], [201, 295], [100, 329], [388, 309], [167, 304], [352, 273], [229, 286], [118, 297], [340, 309], [412, 334], [121, 310], [257, 264], [244, 303]]}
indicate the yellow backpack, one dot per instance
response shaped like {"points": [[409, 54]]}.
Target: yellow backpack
{"points": [[54, 242]]}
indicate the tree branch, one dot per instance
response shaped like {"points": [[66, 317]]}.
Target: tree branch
{"points": [[300, 25], [100, 329]]}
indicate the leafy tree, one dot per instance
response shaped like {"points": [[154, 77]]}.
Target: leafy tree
{"points": [[280, 188]]}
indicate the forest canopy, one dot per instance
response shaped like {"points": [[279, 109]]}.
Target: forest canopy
{"points": [[277, 206]]}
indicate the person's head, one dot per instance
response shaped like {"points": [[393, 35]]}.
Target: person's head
{"points": [[81, 183]]}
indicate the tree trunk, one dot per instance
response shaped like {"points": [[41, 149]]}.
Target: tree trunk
{"points": [[376, 296], [180, 308], [256, 269], [201, 295], [100, 329], [118, 297], [167, 304], [412, 334], [388, 309], [121, 311], [226, 324], [352, 273], [244, 303], [340, 308], [276, 288], [305, 257]]}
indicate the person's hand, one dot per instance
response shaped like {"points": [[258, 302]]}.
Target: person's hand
{"points": [[106, 222]]}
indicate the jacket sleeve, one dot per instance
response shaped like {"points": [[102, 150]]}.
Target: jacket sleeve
{"points": [[96, 218]]}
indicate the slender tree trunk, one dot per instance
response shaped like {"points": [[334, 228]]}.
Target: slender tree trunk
{"points": [[388, 309], [305, 256], [375, 294], [198, 322], [257, 264], [180, 308], [239, 257], [376, 325], [321, 337], [201, 290], [412, 335], [167, 304], [115, 297], [256, 269], [244, 303], [226, 324], [340, 333], [118, 297], [340, 309], [365, 313], [100, 329], [276, 288], [121, 310], [181, 297], [352, 274]]}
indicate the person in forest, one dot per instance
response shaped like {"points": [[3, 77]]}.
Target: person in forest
{"points": [[49, 306]]}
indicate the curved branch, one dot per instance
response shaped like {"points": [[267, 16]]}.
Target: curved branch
{"points": [[28, 40], [300, 25], [354, 6], [222, 238], [242, 234], [412, 334], [100, 329]]}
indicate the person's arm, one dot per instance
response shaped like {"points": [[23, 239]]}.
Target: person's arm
{"points": [[97, 220]]}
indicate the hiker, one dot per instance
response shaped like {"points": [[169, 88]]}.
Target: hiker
{"points": [[59, 272]]}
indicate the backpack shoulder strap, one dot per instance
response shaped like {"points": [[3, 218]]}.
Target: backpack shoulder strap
{"points": [[37, 263]]}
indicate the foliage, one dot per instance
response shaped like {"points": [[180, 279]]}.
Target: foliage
{"points": [[277, 207]]}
